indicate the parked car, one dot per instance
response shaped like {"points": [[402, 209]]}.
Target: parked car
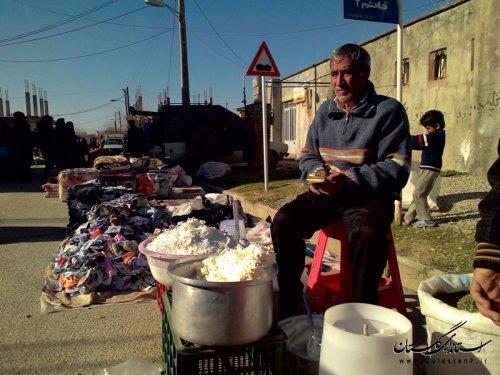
{"points": [[114, 143]]}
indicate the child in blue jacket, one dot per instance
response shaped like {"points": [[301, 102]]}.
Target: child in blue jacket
{"points": [[431, 143]]}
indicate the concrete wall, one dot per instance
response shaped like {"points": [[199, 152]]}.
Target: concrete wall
{"points": [[469, 95]]}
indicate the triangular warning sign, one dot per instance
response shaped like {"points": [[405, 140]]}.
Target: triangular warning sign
{"points": [[263, 63]]}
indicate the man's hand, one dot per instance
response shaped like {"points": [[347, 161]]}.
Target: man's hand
{"points": [[333, 184], [485, 291]]}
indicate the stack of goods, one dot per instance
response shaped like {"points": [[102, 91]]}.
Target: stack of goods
{"points": [[75, 176], [111, 162], [101, 258], [51, 188], [81, 199]]}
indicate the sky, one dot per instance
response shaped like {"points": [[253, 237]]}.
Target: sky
{"points": [[85, 53]]}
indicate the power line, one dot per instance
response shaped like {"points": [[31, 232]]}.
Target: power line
{"points": [[87, 55], [88, 19], [73, 30], [45, 28], [85, 110], [217, 33]]}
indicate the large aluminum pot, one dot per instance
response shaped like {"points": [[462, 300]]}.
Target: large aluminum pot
{"points": [[219, 313]]}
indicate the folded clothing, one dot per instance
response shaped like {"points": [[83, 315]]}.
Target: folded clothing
{"points": [[111, 162], [75, 176]]}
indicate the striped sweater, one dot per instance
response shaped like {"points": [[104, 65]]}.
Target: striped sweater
{"points": [[432, 146], [488, 227], [370, 145]]}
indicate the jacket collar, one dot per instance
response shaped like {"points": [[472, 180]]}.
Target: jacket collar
{"points": [[365, 108]]}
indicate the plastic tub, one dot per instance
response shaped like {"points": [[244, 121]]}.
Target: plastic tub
{"points": [[158, 262]]}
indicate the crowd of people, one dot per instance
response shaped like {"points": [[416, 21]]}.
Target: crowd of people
{"points": [[57, 143], [16, 147]]}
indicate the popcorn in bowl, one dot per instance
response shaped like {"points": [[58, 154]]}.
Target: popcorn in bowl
{"points": [[238, 264]]}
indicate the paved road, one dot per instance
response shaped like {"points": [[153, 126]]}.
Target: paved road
{"points": [[81, 341]]}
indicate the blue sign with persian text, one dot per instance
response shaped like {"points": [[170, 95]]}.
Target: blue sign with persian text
{"points": [[370, 10]]}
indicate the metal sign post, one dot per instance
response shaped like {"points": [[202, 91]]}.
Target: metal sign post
{"points": [[263, 65], [264, 134]]}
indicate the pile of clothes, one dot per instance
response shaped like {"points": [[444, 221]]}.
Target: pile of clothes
{"points": [[101, 254], [99, 261]]}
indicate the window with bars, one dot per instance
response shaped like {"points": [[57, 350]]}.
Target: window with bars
{"points": [[405, 71], [437, 68], [289, 128]]}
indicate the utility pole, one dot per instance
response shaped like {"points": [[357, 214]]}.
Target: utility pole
{"points": [[184, 57], [181, 14], [127, 101]]}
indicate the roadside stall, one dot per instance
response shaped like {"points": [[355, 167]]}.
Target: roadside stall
{"points": [[130, 224]]}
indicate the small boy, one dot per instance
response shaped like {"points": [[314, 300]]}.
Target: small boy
{"points": [[432, 145]]}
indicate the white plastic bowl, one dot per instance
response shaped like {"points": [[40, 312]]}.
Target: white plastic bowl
{"points": [[158, 262]]}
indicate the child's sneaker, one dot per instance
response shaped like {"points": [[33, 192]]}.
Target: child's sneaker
{"points": [[425, 224]]}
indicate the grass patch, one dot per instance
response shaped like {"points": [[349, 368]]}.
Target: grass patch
{"points": [[452, 173], [436, 248]]}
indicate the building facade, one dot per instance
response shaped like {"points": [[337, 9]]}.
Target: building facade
{"points": [[450, 63]]}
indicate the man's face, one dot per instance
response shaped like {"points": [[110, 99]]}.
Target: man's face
{"points": [[348, 81]]}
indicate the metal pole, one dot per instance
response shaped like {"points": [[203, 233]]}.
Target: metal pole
{"points": [[264, 134], [184, 58], [398, 211], [399, 63], [127, 101]]}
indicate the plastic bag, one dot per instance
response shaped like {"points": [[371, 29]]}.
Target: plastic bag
{"points": [[213, 169], [134, 366], [261, 233], [441, 321]]}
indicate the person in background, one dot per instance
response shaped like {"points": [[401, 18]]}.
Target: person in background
{"points": [[356, 160], [60, 151], [5, 149], [135, 144], [432, 145], [485, 285], [22, 146], [47, 144], [96, 148], [74, 148]]}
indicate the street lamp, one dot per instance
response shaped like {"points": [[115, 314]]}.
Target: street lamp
{"points": [[182, 42], [121, 101]]}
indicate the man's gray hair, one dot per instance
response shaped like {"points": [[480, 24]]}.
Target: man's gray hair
{"points": [[357, 54]]}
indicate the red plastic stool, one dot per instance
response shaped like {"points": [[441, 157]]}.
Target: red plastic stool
{"points": [[328, 289]]}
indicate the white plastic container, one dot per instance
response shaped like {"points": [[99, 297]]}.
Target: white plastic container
{"points": [[345, 349]]}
